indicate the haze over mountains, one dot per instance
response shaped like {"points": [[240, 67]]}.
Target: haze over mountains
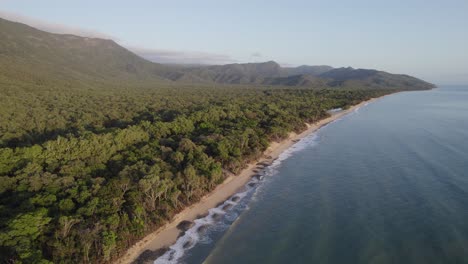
{"points": [[41, 56]]}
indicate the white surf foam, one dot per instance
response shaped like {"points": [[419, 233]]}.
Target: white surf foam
{"points": [[196, 234], [193, 236]]}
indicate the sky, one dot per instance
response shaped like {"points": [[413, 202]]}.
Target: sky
{"points": [[427, 39]]}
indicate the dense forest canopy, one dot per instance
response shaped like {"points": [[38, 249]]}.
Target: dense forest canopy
{"points": [[86, 172], [94, 154]]}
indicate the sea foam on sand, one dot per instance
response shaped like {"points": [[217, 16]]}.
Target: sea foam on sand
{"points": [[197, 233]]}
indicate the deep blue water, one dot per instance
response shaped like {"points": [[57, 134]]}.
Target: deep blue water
{"points": [[385, 184]]}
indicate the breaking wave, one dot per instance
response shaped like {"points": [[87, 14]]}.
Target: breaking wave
{"points": [[221, 217]]}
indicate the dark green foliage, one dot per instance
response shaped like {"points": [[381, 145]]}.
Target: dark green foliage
{"points": [[271, 73], [99, 168]]}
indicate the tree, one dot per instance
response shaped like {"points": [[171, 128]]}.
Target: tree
{"points": [[23, 234], [191, 181]]}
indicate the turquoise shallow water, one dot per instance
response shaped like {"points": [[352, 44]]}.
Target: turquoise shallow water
{"points": [[385, 184]]}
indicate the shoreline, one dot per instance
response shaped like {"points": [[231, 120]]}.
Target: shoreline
{"points": [[167, 234]]}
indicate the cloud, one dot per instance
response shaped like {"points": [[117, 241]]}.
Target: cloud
{"points": [[256, 55], [54, 27], [287, 65], [181, 57]]}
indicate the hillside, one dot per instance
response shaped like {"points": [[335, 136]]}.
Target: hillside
{"points": [[248, 73], [39, 55], [307, 70], [301, 80], [271, 73], [34, 56], [365, 78]]}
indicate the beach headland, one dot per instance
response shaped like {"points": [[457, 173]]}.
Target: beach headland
{"points": [[155, 243]]}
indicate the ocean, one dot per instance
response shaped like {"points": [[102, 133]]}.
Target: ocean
{"points": [[387, 183]]}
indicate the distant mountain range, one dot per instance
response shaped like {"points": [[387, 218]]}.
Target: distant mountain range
{"points": [[30, 54]]}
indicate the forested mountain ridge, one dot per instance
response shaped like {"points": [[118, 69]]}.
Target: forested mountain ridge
{"points": [[99, 147], [33, 54], [307, 70], [271, 73], [374, 79], [247, 73], [40, 55]]}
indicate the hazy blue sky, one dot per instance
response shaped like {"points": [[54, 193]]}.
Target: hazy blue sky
{"points": [[428, 39]]}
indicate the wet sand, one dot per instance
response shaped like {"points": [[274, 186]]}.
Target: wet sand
{"points": [[167, 235]]}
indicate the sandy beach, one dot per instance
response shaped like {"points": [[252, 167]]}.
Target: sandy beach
{"points": [[167, 234]]}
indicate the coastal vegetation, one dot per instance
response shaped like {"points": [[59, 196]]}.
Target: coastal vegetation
{"points": [[99, 147], [84, 174]]}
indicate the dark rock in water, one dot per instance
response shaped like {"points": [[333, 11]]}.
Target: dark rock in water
{"points": [[227, 207], [181, 234], [216, 216], [185, 225], [202, 229], [235, 198], [252, 184], [187, 244], [257, 176], [149, 256], [171, 255], [202, 215], [219, 204], [263, 164]]}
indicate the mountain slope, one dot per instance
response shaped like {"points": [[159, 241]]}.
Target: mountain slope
{"points": [[247, 73], [364, 78], [34, 56], [308, 70], [297, 80], [28, 51]]}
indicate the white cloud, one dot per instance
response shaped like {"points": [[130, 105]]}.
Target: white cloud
{"points": [[287, 65], [256, 55], [181, 57]]}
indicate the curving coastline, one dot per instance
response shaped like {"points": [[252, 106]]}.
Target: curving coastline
{"points": [[168, 234]]}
